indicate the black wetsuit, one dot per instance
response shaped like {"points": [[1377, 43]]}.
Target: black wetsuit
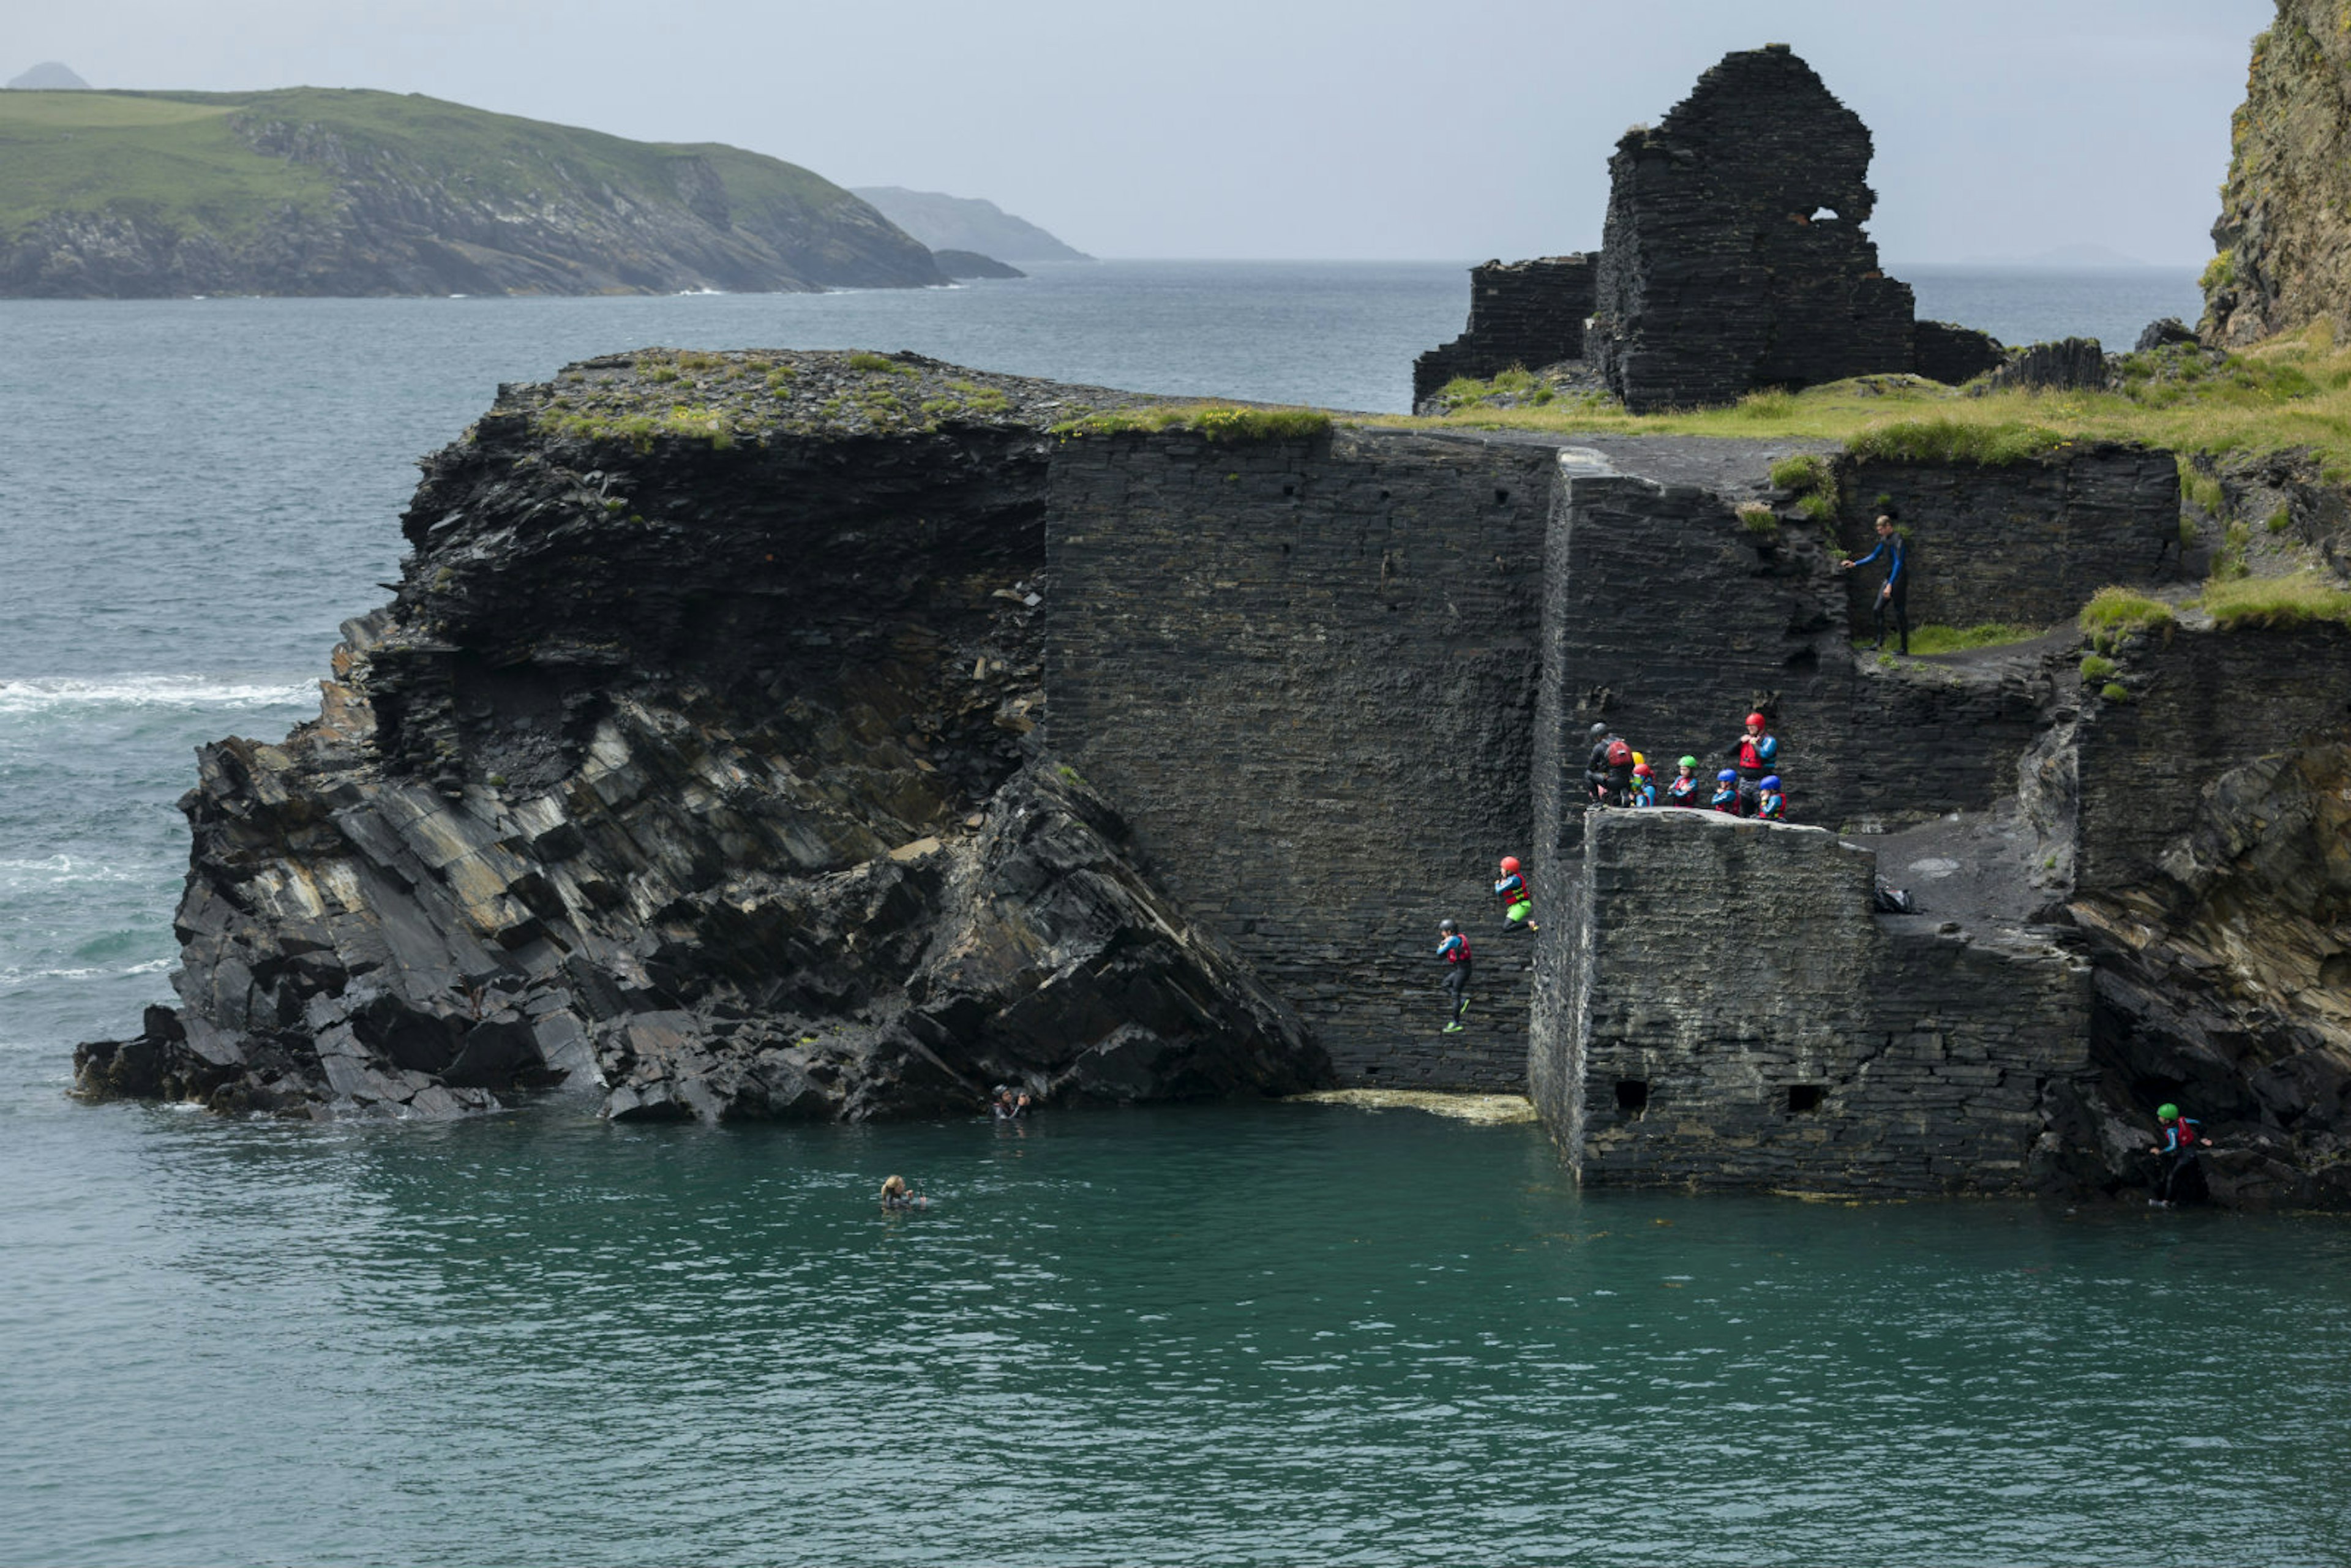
{"points": [[1595, 771], [1896, 596]]}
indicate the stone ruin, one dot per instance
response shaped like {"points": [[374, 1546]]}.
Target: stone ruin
{"points": [[1733, 258]]}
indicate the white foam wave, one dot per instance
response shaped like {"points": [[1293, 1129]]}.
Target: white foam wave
{"points": [[41, 696], [54, 869]]}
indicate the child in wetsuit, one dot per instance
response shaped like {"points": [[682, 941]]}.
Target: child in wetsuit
{"points": [[1645, 785], [1771, 801], [1683, 790], [1517, 899], [1726, 791], [1454, 948]]}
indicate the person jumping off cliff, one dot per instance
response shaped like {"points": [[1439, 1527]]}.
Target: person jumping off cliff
{"points": [[2182, 1137], [1454, 948], [1755, 755], [1517, 899], [1894, 593]]}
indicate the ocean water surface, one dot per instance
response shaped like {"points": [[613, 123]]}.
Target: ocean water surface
{"points": [[1227, 1334]]}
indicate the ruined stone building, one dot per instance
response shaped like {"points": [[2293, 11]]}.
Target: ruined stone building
{"points": [[1733, 258]]}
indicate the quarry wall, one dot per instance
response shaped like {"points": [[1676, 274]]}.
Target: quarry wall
{"points": [[1735, 1015], [2025, 542], [1307, 672]]}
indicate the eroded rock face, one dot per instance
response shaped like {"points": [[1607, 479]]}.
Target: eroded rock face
{"points": [[2284, 230], [2225, 981], [704, 770]]}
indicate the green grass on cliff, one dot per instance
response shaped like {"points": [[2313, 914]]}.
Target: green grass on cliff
{"points": [[178, 158], [2292, 392], [2292, 601], [1216, 421]]}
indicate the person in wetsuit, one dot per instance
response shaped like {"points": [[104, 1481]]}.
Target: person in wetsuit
{"points": [[1517, 899], [2182, 1137], [1894, 594], [1755, 755], [1595, 768], [896, 1198], [1454, 948]]}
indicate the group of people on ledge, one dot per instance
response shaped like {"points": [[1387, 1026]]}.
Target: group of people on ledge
{"points": [[1617, 774]]}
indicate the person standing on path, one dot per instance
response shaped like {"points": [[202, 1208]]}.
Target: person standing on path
{"points": [[1894, 593], [1454, 948]]}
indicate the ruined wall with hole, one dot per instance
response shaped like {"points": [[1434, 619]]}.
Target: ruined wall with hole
{"points": [[2026, 542], [2200, 703], [1528, 313], [1735, 1016], [1306, 672], [1734, 256]]}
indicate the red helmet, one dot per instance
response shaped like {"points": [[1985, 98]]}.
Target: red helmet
{"points": [[1758, 721], [1510, 864], [1644, 770]]}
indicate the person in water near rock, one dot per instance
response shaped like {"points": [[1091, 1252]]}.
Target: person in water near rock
{"points": [[1007, 1106], [1894, 594], [1754, 754], [1683, 790], [1518, 900], [2182, 1137], [1454, 948], [894, 1195]]}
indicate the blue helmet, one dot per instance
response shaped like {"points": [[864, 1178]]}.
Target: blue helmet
{"points": [[1725, 775], [1773, 783]]}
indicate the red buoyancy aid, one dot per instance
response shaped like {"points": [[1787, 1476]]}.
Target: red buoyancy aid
{"points": [[1460, 954], [2184, 1133], [1620, 755]]}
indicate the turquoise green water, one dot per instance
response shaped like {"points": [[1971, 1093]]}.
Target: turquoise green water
{"points": [[1253, 1334]]}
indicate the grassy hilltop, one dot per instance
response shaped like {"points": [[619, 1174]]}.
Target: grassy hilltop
{"points": [[321, 191]]}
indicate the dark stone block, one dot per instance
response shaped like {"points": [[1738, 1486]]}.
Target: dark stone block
{"points": [[1952, 354], [1525, 313], [2069, 365]]}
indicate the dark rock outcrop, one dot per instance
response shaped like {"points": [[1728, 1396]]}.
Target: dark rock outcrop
{"points": [[2069, 365], [1524, 313], [2162, 334], [699, 764], [1734, 256], [1951, 354], [2284, 230]]}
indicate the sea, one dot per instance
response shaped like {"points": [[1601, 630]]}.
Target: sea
{"points": [[1261, 1333]]}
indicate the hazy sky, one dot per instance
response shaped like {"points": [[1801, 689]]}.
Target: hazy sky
{"points": [[1288, 128]]}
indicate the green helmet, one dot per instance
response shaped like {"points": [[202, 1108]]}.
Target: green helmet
{"points": [[1690, 762], [2167, 1112]]}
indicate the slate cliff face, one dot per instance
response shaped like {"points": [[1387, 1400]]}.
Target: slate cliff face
{"points": [[354, 193], [701, 765], [2284, 230]]}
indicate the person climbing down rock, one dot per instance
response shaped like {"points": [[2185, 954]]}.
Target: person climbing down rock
{"points": [[1645, 785], [1517, 899], [1726, 791], [1754, 754], [2182, 1137], [1894, 594], [1770, 803], [1683, 790], [1454, 948]]}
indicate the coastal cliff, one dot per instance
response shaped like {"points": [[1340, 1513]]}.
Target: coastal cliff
{"points": [[696, 760], [2284, 230], [315, 192]]}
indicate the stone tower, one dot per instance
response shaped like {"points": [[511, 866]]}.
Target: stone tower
{"points": [[1734, 256]]}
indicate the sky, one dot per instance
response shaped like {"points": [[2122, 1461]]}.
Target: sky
{"points": [[1273, 129]]}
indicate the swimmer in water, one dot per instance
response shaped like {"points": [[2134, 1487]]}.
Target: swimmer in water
{"points": [[894, 1195]]}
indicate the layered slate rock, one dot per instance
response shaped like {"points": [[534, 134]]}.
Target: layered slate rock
{"points": [[1734, 256], [2284, 230], [696, 760], [1523, 313]]}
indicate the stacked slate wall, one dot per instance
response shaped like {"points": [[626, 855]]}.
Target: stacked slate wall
{"points": [[1865, 1055], [1529, 313], [2201, 704], [2025, 542], [1306, 671], [1734, 256]]}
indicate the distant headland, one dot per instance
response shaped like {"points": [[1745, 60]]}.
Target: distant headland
{"points": [[310, 190]]}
